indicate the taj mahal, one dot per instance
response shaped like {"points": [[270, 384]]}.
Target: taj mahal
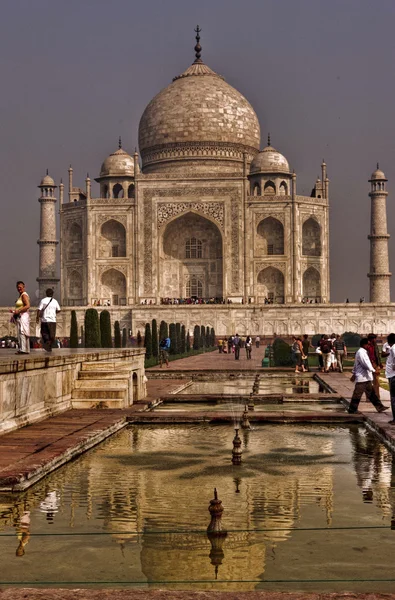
{"points": [[204, 212]]}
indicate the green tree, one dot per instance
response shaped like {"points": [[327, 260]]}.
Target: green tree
{"points": [[148, 341], [117, 335], [82, 337], [124, 338], [183, 340], [212, 336], [178, 337], [155, 342], [208, 337], [163, 330], [188, 342], [105, 329], [92, 328], [139, 338], [73, 330], [202, 336], [282, 353], [173, 338], [351, 339], [196, 337]]}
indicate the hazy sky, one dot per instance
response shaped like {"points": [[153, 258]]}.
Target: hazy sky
{"points": [[75, 75]]}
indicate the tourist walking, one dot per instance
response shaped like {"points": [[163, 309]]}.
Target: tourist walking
{"points": [[257, 341], [326, 347], [306, 347], [362, 374], [20, 318], [236, 346], [375, 359], [297, 351], [164, 348], [46, 316], [390, 371], [230, 344], [248, 346], [340, 349]]}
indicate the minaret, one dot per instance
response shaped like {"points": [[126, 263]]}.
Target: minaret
{"points": [[47, 242], [379, 274]]}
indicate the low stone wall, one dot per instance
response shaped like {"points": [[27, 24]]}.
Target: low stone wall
{"points": [[253, 319], [40, 385]]}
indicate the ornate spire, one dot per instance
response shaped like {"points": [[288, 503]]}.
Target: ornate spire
{"points": [[198, 48], [120, 143], [47, 171], [378, 166], [268, 139]]}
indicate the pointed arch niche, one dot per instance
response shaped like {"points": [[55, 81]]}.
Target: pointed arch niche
{"points": [[74, 288], [271, 236], [112, 242], [190, 258], [311, 238], [113, 287], [75, 242], [270, 285], [312, 284]]}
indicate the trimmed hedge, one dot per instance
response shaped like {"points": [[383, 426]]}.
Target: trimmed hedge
{"points": [[73, 330], [92, 329], [105, 329]]}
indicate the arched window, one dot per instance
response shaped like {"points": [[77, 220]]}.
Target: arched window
{"points": [[271, 285], [256, 190], [283, 191], [75, 288], [194, 287], [311, 238], [272, 233], [269, 189], [117, 191], [312, 284], [113, 287], [113, 239], [75, 242], [105, 191], [193, 248], [131, 191]]}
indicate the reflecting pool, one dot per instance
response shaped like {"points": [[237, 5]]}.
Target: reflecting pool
{"points": [[267, 385], [310, 508]]}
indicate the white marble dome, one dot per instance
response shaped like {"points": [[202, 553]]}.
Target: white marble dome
{"points": [[118, 164], [269, 160]]}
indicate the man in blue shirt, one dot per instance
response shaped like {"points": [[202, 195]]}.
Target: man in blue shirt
{"points": [[164, 347]]}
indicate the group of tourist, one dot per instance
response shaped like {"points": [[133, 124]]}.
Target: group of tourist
{"points": [[234, 343], [192, 300]]}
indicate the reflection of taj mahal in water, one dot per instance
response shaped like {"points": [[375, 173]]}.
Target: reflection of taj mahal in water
{"points": [[202, 212]]}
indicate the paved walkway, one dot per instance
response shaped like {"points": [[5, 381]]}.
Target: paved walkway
{"points": [[214, 361]]}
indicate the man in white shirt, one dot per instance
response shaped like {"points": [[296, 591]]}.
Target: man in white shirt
{"points": [[389, 350], [362, 374], [46, 313]]}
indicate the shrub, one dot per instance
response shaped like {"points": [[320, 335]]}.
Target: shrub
{"points": [[92, 328], [196, 337], [73, 330], [183, 340], [282, 353], [351, 339], [208, 337], [188, 342], [212, 337], [315, 340], [178, 337], [117, 335], [163, 330], [202, 336], [155, 343], [105, 329], [124, 338], [148, 341], [173, 338], [139, 338]]}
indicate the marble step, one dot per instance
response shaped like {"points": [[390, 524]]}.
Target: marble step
{"points": [[103, 384], [106, 366], [98, 403], [100, 375], [114, 393]]}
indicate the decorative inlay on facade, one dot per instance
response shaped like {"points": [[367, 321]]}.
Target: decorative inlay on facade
{"points": [[102, 218], [193, 150], [259, 266], [235, 216], [264, 215], [123, 268], [167, 210]]}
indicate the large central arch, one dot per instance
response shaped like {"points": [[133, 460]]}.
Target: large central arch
{"points": [[270, 285], [191, 258]]}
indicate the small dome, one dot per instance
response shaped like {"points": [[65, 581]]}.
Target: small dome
{"points": [[378, 174], [269, 160], [118, 164], [47, 181]]}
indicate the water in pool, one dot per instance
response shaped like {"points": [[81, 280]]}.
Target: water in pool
{"points": [[267, 385], [310, 508]]}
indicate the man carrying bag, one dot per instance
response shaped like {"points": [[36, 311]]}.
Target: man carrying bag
{"points": [[46, 315]]}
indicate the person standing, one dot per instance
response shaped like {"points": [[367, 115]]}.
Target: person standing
{"points": [[306, 348], [236, 346], [297, 351], [340, 352], [257, 341], [326, 347], [46, 316], [375, 359], [362, 374], [21, 318], [248, 346], [390, 371], [164, 348]]}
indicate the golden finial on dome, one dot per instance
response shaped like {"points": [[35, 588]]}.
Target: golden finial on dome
{"points": [[198, 48], [120, 143], [268, 139]]}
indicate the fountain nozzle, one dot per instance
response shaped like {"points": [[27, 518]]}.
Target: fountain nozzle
{"points": [[237, 451], [245, 424]]}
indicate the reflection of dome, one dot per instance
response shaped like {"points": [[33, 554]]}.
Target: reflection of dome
{"points": [[198, 117], [118, 164], [269, 160], [378, 174], [47, 181]]}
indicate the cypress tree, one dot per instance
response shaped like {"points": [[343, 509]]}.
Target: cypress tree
{"points": [[212, 337], [139, 338], [82, 337], [92, 328], [173, 338], [208, 338], [178, 337], [155, 342], [105, 329], [73, 330], [117, 335], [163, 330], [183, 344], [188, 342], [124, 338], [196, 337], [148, 341], [202, 336]]}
